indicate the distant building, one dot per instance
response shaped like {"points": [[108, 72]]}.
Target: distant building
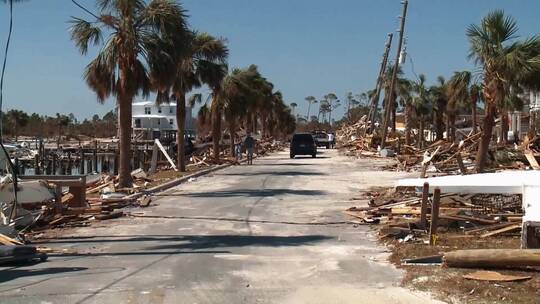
{"points": [[152, 121]]}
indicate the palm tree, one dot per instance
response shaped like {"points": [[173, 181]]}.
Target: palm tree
{"points": [[62, 121], [18, 119], [214, 75], [439, 94], [421, 106], [191, 52], [459, 93], [504, 62], [121, 66], [404, 88], [475, 92], [310, 100], [293, 106], [331, 98]]}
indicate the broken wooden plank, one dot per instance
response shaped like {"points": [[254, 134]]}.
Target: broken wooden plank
{"points": [[488, 228], [502, 230], [531, 159], [6, 240], [468, 218]]}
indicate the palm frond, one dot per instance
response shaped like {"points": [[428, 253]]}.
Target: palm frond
{"points": [[85, 33]]}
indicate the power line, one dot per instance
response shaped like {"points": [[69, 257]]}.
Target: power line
{"points": [[4, 67], [85, 9]]}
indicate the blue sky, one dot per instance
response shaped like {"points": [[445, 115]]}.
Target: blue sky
{"points": [[305, 47]]}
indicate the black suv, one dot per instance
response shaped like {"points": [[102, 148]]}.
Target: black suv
{"points": [[303, 144]]}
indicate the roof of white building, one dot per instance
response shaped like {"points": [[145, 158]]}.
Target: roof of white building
{"points": [[150, 116], [152, 103]]}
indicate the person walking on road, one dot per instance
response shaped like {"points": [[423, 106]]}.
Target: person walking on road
{"points": [[249, 143], [238, 148]]}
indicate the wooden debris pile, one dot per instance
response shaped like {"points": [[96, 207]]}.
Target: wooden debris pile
{"points": [[410, 218]]}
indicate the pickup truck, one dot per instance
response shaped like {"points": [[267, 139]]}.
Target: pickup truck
{"points": [[321, 139]]}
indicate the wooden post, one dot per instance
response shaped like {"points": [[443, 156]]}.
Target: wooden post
{"points": [[69, 164], [23, 168], [492, 258], [434, 216], [390, 100], [36, 165], [54, 163], [424, 170], [81, 161], [462, 168], [116, 158], [423, 210], [95, 157], [16, 164]]}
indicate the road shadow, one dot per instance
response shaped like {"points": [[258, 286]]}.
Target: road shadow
{"points": [[190, 244], [196, 242], [253, 193], [307, 156], [278, 173], [281, 164], [7, 275]]}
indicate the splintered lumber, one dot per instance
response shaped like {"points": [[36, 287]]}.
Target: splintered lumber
{"points": [[96, 189], [488, 228], [6, 240], [468, 218], [531, 159], [492, 258], [502, 230], [68, 197]]}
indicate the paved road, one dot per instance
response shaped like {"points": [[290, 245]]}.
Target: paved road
{"points": [[268, 233]]}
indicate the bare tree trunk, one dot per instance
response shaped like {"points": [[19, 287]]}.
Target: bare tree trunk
{"points": [[473, 114], [181, 125], [483, 147], [504, 127], [232, 129], [421, 133], [439, 125], [124, 113], [408, 123], [394, 115]]}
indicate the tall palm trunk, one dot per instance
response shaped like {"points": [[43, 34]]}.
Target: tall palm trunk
{"points": [[216, 128], [308, 108], [181, 126], [408, 123], [489, 122], [421, 133], [124, 170]]}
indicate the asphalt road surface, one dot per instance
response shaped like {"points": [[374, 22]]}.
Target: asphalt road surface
{"points": [[272, 232]]}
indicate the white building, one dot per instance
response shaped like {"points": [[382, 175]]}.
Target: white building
{"points": [[157, 121]]}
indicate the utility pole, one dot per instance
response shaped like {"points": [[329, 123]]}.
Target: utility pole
{"points": [[390, 100], [375, 99]]}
